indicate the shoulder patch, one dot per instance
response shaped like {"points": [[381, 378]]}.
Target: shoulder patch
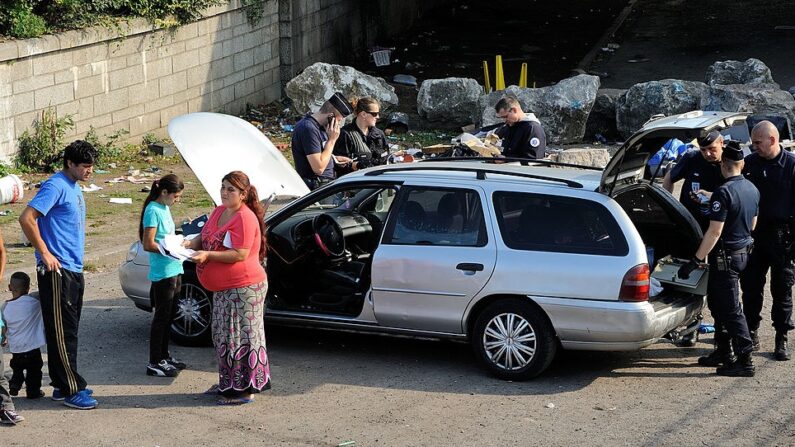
{"points": [[716, 206], [535, 142]]}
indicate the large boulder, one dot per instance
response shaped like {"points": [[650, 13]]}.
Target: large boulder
{"points": [[596, 157], [602, 119], [562, 108], [757, 100], [310, 89], [667, 97], [448, 100], [751, 72]]}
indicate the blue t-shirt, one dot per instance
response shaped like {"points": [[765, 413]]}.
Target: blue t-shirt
{"points": [[63, 221], [309, 137], [158, 216]]}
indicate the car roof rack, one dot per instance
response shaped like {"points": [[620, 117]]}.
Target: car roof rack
{"points": [[480, 172], [522, 161]]}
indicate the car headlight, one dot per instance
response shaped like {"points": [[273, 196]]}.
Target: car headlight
{"points": [[133, 251]]}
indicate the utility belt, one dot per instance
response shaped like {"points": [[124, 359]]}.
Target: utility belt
{"points": [[316, 182], [723, 255]]}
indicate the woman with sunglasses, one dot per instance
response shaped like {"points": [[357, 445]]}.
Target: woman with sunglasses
{"points": [[360, 140]]}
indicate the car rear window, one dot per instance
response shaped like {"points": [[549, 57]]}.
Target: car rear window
{"points": [[538, 222]]}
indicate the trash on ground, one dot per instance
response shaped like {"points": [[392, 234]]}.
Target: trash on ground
{"points": [[121, 200], [705, 328], [404, 79], [398, 122], [5, 212], [112, 165], [550, 405], [91, 188], [101, 171]]}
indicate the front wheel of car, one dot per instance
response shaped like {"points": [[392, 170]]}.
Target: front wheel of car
{"points": [[514, 340], [192, 315]]}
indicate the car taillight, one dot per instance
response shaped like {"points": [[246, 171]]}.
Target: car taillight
{"points": [[635, 285]]}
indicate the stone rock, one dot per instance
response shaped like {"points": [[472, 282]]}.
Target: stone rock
{"points": [[602, 119], [448, 100], [667, 97], [310, 89], [562, 108], [585, 157], [792, 91], [751, 72], [757, 100]]}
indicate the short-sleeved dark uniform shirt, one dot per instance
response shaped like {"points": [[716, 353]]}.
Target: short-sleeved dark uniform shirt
{"points": [[735, 203], [525, 139], [309, 137], [775, 180], [352, 143], [693, 168]]}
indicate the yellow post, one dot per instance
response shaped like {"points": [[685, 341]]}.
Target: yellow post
{"points": [[499, 77], [487, 85], [523, 76]]}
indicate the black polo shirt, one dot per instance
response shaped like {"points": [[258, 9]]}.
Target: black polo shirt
{"points": [[524, 139], [353, 143], [693, 168], [735, 203], [775, 180]]}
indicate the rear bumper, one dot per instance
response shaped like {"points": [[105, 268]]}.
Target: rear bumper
{"points": [[616, 326]]}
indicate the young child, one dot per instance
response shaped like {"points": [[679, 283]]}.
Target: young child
{"points": [[8, 414], [25, 336]]}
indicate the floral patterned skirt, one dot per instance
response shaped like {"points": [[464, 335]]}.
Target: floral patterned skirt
{"points": [[239, 339]]}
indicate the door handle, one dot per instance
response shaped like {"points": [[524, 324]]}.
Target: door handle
{"points": [[469, 266]]}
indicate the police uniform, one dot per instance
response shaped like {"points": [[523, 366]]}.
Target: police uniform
{"points": [[697, 173], [523, 139], [367, 150], [735, 203], [773, 236]]}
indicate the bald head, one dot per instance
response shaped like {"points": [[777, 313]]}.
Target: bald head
{"points": [[764, 137]]}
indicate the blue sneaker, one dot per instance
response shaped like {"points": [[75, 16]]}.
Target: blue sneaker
{"points": [[81, 400], [56, 393]]}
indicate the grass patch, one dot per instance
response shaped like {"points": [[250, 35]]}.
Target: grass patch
{"points": [[90, 267]]}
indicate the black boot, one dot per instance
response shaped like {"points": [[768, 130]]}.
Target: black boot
{"points": [[755, 339], [743, 367], [722, 355], [781, 352]]}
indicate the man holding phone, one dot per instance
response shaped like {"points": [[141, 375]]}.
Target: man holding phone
{"points": [[314, 138]]}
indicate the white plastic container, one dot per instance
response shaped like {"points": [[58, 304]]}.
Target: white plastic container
{"points": [[11, 189]]}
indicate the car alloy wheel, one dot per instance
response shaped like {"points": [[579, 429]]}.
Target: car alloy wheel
{"points": [[513, 339], [192, 315]]}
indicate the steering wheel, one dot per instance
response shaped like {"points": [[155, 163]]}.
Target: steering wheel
{"points": [[328, 235]]}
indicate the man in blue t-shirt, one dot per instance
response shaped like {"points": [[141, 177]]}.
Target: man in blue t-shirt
{"points": [[54, 222], [314, 138]]}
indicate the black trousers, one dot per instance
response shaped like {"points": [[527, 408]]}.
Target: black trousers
{"points": [[768, 254], [61, 295], [162, 294], [723, 300], [26, 367]]}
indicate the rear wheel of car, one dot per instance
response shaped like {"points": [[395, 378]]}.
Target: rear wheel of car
{"points": [[192, 315], [513, 340]]}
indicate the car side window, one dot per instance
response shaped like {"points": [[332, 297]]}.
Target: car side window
{"points": [[438, 216], [539, 222]]}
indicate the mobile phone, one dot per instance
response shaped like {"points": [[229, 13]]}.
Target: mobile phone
{"points": [[330, 118]]}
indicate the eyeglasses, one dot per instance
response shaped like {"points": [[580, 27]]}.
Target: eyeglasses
{"points": [[373, 114]]}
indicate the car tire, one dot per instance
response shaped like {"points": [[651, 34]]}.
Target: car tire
{"points": [[192, 314], [514, 340]]}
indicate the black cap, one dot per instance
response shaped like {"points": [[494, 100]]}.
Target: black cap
{"points": [[708, 139], [732, 151], [341, 104]]}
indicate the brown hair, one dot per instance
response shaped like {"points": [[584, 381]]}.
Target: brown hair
{"points": [[364, 104], [240, 180], [169, 183], [506, 103]]}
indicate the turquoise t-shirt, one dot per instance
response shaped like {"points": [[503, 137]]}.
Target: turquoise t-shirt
{"points": [[160, 267]]}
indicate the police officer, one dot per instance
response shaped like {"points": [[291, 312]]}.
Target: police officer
{"points": [[314, 138], [700, 171], [772, 171], [733, 209], [522, 135]]}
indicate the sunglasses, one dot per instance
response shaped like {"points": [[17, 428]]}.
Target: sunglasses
{"points": [[373, 114]]}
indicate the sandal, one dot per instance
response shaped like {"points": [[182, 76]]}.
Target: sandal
{"points": [[234, 400], [213, 390]]}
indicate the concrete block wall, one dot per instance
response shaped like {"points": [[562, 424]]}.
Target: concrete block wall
{"points": [[139, 82]]}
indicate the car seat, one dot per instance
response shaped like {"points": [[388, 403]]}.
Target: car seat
{"points": [[449, 216], [412, 216]]}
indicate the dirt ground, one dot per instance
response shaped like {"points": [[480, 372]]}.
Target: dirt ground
{"points": [[331, 388]]}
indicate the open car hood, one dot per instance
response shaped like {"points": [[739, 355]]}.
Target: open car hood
{"points": [[629, 163], [215, 144]]}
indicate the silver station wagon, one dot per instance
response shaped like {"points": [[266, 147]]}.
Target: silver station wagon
{"points": [[519, 260]]}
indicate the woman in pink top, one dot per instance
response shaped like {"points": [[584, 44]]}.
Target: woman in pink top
{"points": [[229, 262]]}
